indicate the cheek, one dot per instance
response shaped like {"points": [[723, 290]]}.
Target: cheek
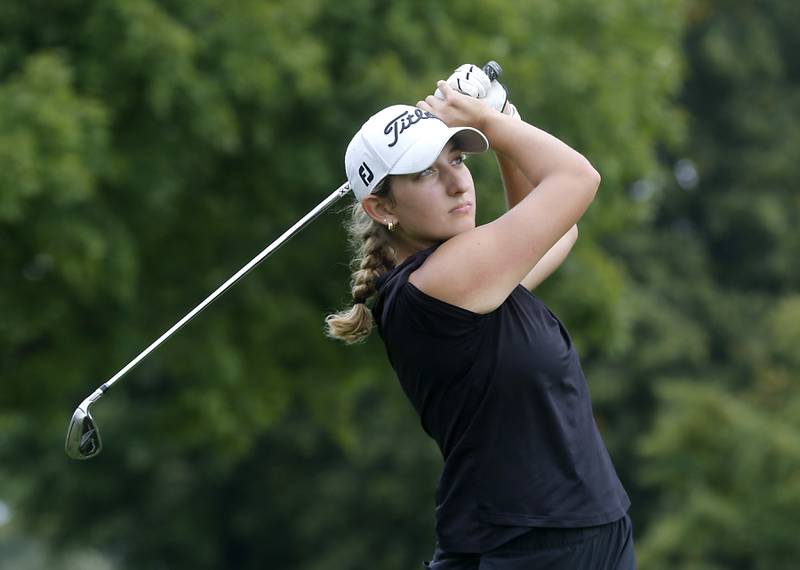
{"points": [[424, 217]]}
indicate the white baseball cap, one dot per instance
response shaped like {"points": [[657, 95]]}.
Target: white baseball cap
{"points": [[401, 139]]}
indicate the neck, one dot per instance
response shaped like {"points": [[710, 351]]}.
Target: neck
{"points": [[405, 248]]}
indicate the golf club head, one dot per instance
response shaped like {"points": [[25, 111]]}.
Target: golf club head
{"points": [[83, 438]]}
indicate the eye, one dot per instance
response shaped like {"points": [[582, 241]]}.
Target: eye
{"points": [[460, 159], [426, 172]]}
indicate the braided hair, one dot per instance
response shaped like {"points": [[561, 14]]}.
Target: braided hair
{"points": [[374, 256]]}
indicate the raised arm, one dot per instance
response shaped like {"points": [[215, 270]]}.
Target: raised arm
{"points": [[479, 268], [517, 186]]}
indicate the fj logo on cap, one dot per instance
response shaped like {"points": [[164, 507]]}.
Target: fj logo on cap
{"points": [[365, 173], [400, 123]]}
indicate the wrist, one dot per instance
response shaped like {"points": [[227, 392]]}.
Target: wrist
{"points": [[494, 125], [486, 119]]}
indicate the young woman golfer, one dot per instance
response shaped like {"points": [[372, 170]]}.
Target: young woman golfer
{"points": [[527, 482]]}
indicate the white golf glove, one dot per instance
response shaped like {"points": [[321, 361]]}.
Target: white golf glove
{"points": [[472, 81]]}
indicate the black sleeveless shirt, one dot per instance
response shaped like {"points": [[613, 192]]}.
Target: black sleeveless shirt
{"points": [[504, 397]]}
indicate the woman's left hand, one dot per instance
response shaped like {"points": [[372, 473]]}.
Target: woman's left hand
{"points": [[471, 80]]}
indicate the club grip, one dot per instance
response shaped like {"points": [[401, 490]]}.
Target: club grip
{"points": [[493, 70]]}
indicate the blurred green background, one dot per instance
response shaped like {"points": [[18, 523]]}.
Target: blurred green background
{"points": [[150, 148]]}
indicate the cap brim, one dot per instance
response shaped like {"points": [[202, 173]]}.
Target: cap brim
{"points": [[425, 152]]}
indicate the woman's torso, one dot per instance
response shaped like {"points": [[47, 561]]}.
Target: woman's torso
{"points": [[505, 399]]}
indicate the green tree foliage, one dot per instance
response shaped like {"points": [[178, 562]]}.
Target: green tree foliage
{"points": [[150, 148], [715, 307], [728, 470]]}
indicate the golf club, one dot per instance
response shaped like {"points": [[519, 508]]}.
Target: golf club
{"points": [[83, 437]]}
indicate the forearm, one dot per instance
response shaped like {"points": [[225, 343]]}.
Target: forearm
{"points": [[515, 183], [536, 154], [517, 187], [552, 260]]}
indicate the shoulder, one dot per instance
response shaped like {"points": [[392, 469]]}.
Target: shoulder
{"points": [[400, 274], [391, 283], [400, 305]]}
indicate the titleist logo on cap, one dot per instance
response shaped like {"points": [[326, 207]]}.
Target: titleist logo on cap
{"points": [[400, 123]]}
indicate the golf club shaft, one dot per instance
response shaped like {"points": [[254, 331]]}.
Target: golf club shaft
{"points": [[301, 223]]}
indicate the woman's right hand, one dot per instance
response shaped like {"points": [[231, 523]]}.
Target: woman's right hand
{"points": [[457, 109]]}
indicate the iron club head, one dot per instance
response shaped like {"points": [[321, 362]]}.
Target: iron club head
{"points": [[83, 437]]}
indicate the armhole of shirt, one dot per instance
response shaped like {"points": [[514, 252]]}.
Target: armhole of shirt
{"points": [[442, 308]]}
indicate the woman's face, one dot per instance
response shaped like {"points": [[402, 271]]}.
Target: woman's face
{"points": [[434, 205]]}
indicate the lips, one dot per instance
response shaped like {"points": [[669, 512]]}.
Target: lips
{"points": [[462, 208]]}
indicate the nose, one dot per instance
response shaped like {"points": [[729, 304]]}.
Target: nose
{"points": [[457, 181]]}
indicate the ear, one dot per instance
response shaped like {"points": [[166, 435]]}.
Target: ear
{"points": [[378, 208]]}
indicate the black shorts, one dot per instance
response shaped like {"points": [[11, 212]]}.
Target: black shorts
{"points": [[604, 547]]}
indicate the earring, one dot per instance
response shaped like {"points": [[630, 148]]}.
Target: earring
{"points": [[390, 226]]}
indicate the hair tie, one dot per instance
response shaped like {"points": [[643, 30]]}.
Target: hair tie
{"points": [[359, 301]]}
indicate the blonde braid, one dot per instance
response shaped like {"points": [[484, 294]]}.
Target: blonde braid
{"points": [[374, 257]]}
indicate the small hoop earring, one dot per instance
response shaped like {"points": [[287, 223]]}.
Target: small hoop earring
{"points": [[390, 226]]}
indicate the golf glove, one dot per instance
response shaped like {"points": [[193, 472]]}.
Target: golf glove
{"points": [[472, 81]]}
